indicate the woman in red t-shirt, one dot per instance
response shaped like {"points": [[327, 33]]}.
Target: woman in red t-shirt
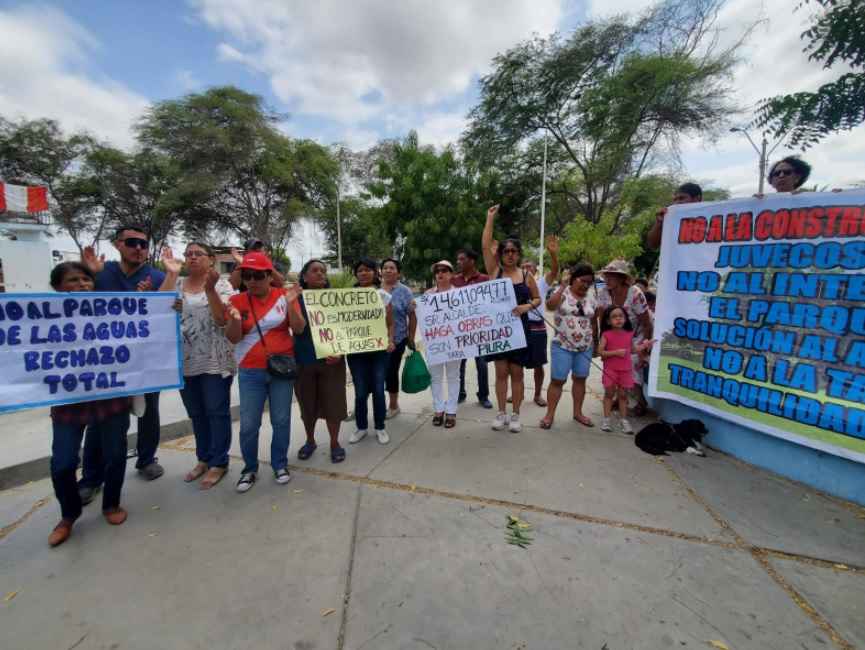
{"points": [[261, 322]]}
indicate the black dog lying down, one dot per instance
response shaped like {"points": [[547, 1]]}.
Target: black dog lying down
{"points": [[660, 437]]}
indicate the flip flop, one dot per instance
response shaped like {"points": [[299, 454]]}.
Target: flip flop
{"points": [[586, 422], [540, 401], [337, 454], [214, 475], [306, 451], [196, 472], [546, 423]]}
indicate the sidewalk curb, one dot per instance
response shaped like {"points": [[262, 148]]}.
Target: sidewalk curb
{"points": [[39, 468]]}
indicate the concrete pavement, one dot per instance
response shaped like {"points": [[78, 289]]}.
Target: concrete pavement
{"points": [[403, 546]]}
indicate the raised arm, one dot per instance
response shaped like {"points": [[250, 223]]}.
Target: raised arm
{"points": [[296, 321], [555, 298], [234, 277], [172, 270], [490, 261], [653, 237], [214, 301], [553, 249]]}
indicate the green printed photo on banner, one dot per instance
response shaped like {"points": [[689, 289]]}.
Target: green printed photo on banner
{"points": [[346, 321], [761, 315]]}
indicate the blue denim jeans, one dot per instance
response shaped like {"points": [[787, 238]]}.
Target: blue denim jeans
{"points": [[110, 435], [257, 385], [368, 370], [207, 399], [148, 441]]}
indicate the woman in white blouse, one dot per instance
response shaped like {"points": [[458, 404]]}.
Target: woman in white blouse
{"points": [[208, 364]]}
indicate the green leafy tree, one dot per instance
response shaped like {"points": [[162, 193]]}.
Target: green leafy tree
{"points": [[38, 152], [609, 96], [834, 38], [429, 205], [238, 172]]}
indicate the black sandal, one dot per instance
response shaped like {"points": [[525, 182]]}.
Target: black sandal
{"points": [[450, 421], [306, 451], [337, 455], [438, 419]]}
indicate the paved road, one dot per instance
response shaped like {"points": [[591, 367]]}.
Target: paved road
{"points": [[403, 547]]}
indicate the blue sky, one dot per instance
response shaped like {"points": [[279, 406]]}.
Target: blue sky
{"points": [[354, 71]]}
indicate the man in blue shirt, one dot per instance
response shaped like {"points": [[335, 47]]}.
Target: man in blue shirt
{"points": [[131, 273]]}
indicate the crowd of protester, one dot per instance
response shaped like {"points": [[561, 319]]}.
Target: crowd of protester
{"points": [[253, 326]]}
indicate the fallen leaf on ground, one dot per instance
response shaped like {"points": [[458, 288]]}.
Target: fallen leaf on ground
{"points": [[275, 508], [413, 487], [327, 612], [152, 534], [841, 566], [154, 507], [719, 644], [10, 596], [297, 491]]}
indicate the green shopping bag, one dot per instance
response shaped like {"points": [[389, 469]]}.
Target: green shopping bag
{"points": [[415, 376]]}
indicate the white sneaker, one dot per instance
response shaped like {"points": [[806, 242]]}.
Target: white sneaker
{"points": [[357, 436], [245, 482], [382, 436], [626, 426], [282, 476], [500, 422], [392, 413], [515, 426], [605, 425]]}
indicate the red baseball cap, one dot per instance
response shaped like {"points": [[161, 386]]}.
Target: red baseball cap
{"points": [[257, 262]]}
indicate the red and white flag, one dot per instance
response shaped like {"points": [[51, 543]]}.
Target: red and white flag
{"points": [[23, 198]]}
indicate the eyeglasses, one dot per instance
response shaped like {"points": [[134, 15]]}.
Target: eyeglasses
{"points": [[508, 251], [135, 242], [782, 172], [246, 275], [442, 269], [196, 254]]}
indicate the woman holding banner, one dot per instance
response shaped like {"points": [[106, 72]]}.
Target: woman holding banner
{"points": [[404, 327], [320, 382], [368, 368], [261, 323], [208, 364], [505, 263], [106, 421], [445, 410]]}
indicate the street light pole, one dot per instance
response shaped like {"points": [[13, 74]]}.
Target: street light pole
{"points": [[763, 162], [543, 211], [338, 232]]}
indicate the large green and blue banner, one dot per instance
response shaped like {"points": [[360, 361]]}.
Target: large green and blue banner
{"points": [[761, 315]]}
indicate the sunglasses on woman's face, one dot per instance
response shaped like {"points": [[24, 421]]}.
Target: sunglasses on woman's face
{"points": [[247, 275], [135, 242], [782, 172], [509, 251]]}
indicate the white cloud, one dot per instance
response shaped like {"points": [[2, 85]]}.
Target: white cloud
{"points": [[352, 61], [187, 80], [440, 129], [42, 54]]}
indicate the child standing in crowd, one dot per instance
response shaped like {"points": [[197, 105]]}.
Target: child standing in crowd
{"points": [[616, 345]]}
